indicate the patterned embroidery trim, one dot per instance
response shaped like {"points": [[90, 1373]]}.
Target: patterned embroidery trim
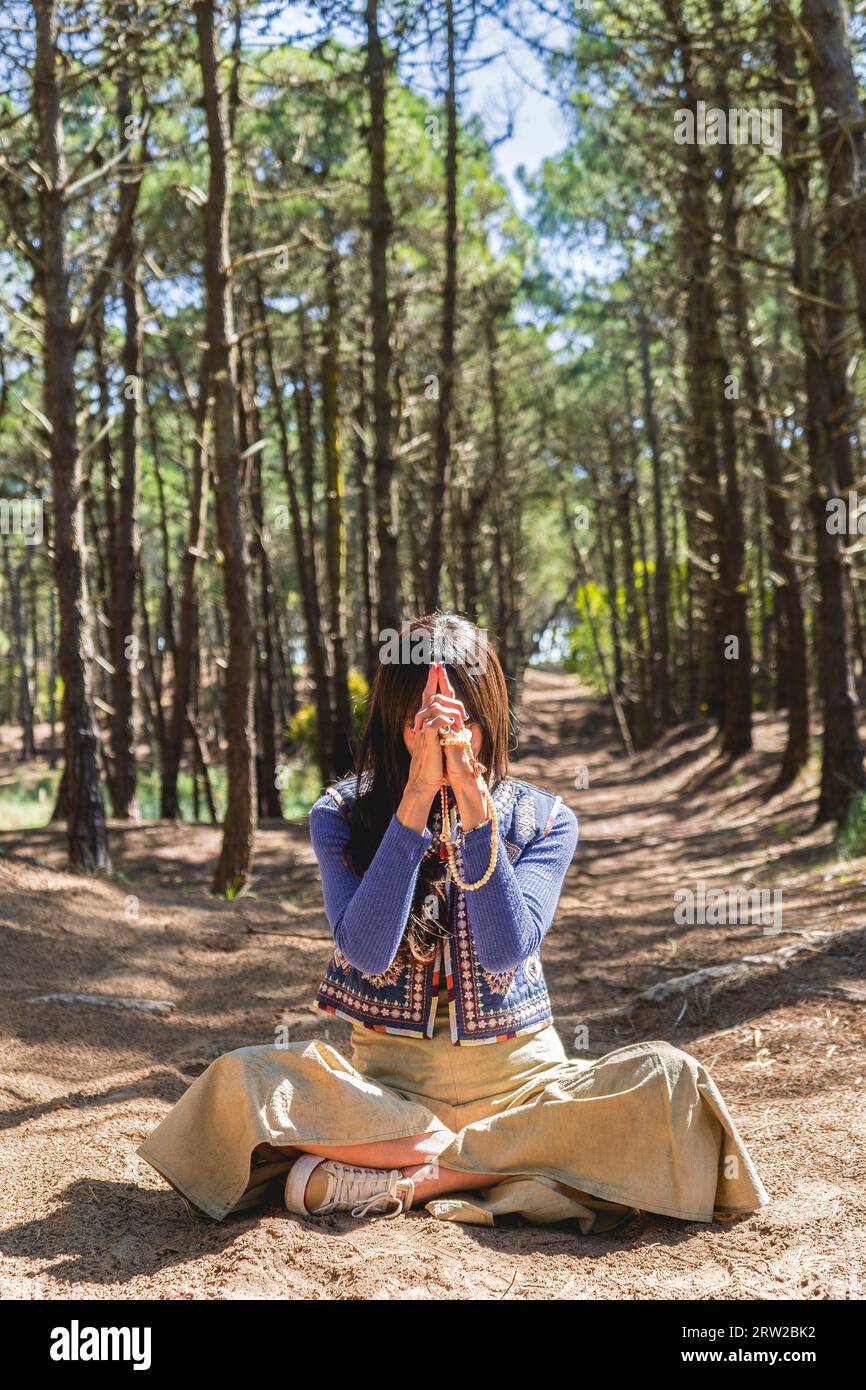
{"points": [[386, 977], [410, 1008], [376, 1027], [367, 1009], [508, 1020], [499, 981], [503, 794], [532, 968], [524, 814], [518, 1017], [506, 1037]]}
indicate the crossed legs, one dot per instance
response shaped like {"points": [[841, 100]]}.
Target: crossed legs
{"points": [[415, 1156]]}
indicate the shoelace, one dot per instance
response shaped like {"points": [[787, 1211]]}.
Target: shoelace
{"points": [[348, 1176], [367, 1207]]}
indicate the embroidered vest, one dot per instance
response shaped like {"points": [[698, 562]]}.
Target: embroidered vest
{"points": [[484, 1006]]}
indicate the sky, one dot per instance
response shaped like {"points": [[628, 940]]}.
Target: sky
{"points": [[499, 74], [512, 77]]}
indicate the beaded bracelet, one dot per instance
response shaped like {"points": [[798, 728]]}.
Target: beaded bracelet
{"points": [[465, 737]]}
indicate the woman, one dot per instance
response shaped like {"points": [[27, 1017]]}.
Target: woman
{"points": [[440, 884]]}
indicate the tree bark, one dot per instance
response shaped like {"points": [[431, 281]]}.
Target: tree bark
{"points": [[638, 705], [365, 566], [268, 792], [305, 561], [87, 837], [793, 631], [661, 666], [842, 137], [439, 495], [388, 605], [703, 500], [842, 771], [126, 553], [19, 646], [185, 644], [342, 757], [236, 854]]}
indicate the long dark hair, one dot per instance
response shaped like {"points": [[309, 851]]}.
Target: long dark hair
{"points": [[395, 696]]}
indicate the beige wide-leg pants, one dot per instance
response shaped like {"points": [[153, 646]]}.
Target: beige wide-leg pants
{"points": [[588, 1139]]}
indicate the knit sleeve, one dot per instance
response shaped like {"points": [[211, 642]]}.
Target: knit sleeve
{"points": [[510, 915], [367, 915]]}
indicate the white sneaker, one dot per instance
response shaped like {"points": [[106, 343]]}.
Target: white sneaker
{"points": [[359, 1190]]}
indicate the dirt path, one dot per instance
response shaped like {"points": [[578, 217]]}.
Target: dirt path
{"points": [[83, 1216]]}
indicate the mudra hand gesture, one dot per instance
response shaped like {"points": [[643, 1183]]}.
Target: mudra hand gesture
{"points": [[444, 741]]}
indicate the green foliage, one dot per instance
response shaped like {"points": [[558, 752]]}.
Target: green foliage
{"points": [[26, 801], [851, 843], [582, 657], [302, 727], [239, 889]]}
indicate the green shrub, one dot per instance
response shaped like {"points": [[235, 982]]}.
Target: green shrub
{"points": [[27, 799], [851, 843], [301, 728]]}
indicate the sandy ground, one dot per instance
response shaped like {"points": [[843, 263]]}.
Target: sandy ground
{"points": [[84, 1217]]}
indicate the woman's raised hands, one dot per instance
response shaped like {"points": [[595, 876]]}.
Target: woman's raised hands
{"points": [[433, 767], [427, 770], [438, 701]]}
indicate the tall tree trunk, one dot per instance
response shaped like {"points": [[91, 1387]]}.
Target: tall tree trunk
{"points": [[439, 495], [638, 706], [303, 397], [305, 561], [737, 668], [86, 830], [606, 542], [632, 491], [151, 705], [842, 771], [365, 567], [703, 502], [708, 379], [503, 607], [126, 554], [661, 666], [52, 679], [109, 481], [388, 607], [842, 138], [792, 626], [268, 793], [167, 617], [19, 646], [236, 855], [342, 757], [184, 651]]}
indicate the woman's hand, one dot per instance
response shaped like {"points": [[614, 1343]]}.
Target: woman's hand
{"points": [[439, 701], [459, 760], [432, 766], [426, 769]]}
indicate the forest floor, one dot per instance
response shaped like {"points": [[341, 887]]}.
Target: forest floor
{"points": [[783, 1035]]}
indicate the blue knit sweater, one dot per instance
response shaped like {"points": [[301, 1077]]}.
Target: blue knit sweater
{"points": [[509, 916]]}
